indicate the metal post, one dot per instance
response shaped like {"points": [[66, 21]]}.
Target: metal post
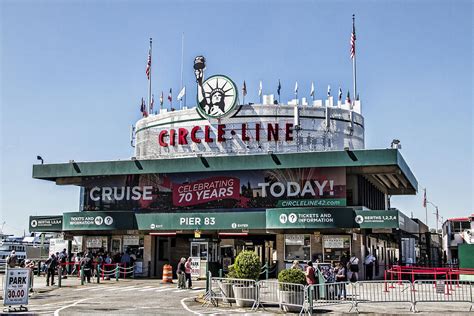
{"points": [[98, 273], [220, 273], [60, 272], [208, 281], [133, 272], [39, 267], [117, 271], [82, 275], [266, 271]]}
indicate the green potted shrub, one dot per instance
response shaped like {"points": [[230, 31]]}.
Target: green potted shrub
{"points": [[246, 266], [291, 293]]}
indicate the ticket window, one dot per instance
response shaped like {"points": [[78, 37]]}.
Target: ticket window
{"points": [[297, 247], [335, 247], [116, 246]]}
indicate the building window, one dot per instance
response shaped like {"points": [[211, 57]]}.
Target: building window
{"points": [[297, 247]]}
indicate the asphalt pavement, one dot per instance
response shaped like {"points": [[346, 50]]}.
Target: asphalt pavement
{"points": [[151, 297]]}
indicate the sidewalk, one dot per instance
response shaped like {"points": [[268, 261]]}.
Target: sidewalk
{"points": [[39, 283]]}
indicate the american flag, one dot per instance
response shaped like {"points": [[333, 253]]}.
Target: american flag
{"points": [[148, 65], [353, 39]]}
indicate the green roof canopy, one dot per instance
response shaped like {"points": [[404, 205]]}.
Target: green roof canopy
{"points": [[386, 168]]}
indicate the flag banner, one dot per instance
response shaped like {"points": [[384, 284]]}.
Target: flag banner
{"points": [[348, 97], [148, 65], [152, 103], [244, 89], [353, 39], [181, 93], [279, 88], [424, 198], [296, 87], [170, 95], [260, 89], [161, 98], [329, 90], [339, 96], [143, 108], [312, 89]]}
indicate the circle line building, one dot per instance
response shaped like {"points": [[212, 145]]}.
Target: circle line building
{"points": [[288, 181]]}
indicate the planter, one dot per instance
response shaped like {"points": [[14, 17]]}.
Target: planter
{"points": [[226, 288], [291, 297], [245, 296]]}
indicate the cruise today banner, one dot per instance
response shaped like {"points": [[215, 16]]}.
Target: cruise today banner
{"points": [[249, 189]]}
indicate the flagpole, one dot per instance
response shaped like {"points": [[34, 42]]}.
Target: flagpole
{"points": [[426, 207], [149, 80], [354, 73], [182, 61]]}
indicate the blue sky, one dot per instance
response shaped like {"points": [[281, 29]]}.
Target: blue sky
{"points": [[73, 72]]}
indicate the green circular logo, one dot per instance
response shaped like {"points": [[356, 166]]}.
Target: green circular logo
{"points": [[217, 96]]}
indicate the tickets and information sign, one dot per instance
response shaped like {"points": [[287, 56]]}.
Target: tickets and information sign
{"points": [[16, 287]]}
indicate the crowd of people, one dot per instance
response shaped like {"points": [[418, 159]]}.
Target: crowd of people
{"points": [[347, 269]]}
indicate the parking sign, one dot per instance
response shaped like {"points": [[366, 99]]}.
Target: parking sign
{"points": [[16, 287]]}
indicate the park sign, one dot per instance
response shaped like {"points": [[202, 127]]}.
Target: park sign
{"points": [[46, 223], [201, 221], [16, 287], [99, 221]]}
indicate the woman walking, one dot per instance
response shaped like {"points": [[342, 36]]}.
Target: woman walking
{"points": [[187, 272]]}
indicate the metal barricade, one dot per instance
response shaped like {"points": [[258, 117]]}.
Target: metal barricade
{"points": [[324, 294], [242, 292], [384, 292], [290, 297], [443, 291]]}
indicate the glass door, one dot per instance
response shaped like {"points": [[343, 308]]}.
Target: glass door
{"points": [[200, 255]]}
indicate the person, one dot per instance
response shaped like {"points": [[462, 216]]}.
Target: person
{"points": [[125, 260], [187, 272], [77, 261], [310, 274], [369, 266], [180, 272], [30, 264], [12, 259], [63, 261], [296, 265], [108, 260], [86, 263], [353, 265], [341, 277], [51, 265]]}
